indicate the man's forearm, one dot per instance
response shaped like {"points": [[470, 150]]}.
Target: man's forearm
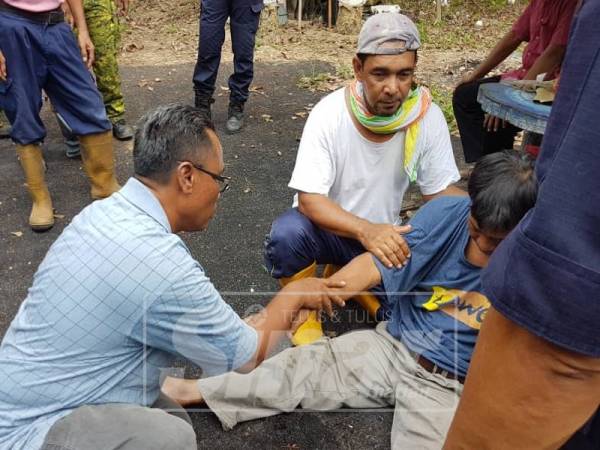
{"points": [[78, 15], [330, 216], [272, 324], [499, 53], [522, 391], [547, 62]]}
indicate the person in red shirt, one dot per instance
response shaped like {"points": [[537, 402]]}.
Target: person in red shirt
{"points": [[544, 25]]}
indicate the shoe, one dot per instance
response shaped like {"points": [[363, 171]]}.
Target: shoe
{"points": [[72, 148], [235, 120], [203, 103], [99, 164], [122, 131], [32, 162]]}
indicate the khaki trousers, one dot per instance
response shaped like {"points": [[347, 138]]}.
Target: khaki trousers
{"points": [[362, 369]]}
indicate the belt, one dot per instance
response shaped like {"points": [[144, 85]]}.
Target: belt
{"points": [[432, 367], [53, 17]]}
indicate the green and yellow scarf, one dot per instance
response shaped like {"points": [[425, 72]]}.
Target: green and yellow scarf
{"points": [[407, 118]]}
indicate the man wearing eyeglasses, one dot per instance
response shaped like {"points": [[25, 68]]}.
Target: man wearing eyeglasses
{"points": [[119, 295]]}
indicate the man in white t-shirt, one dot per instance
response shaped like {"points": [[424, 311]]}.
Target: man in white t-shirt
{"points": [[361, 147]]}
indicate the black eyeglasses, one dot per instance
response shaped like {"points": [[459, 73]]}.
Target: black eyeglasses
{"points": [[223, 181]]}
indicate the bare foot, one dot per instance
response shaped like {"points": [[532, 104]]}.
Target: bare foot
{"points": [[184, 392]]}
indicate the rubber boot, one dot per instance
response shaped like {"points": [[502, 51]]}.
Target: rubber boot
{"points": [[32, 162], [311, 330], [98, 163], [203, 102], [368, 301]]}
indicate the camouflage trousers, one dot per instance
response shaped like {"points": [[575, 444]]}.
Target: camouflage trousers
{"points": [[104, 29]]}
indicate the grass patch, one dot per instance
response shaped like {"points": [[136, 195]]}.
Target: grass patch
{"points": [[326, 81], [443, 97]]}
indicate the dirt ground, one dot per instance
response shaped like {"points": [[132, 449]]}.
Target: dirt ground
{"points": [[159, 48]]}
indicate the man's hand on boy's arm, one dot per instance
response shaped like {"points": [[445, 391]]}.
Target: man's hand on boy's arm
{"points": [[275, 321], [358, 276], [280, 315], [385, 241]]}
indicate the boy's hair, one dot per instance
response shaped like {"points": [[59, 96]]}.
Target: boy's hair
{"points": [[502, 187]]}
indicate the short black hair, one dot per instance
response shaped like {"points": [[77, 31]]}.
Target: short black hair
{"points": [[502, 187], [168, 134]]}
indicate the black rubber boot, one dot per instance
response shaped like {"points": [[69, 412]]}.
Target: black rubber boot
{"points": [[122, 131], [235, 118], [203, 103]]}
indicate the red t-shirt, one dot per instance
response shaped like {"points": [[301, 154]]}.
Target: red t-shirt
{"points": [[543, 23]]}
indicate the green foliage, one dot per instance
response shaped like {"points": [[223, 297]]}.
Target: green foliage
{"points": [[423, 31], [344, 71], [443, 97]]}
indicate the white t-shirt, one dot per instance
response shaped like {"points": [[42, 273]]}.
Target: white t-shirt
{"points": [[363, 177]]}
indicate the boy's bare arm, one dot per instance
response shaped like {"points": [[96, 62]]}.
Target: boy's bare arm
{"points": [[359, 275]]}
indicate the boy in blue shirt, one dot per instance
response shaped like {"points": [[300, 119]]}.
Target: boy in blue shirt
{"points": [[418, 358]]}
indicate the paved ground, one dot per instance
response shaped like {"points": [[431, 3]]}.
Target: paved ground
{"points": [[260, 161]]}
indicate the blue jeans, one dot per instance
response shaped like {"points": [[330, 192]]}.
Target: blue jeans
{"points": [[40, 56], [244, 17]]}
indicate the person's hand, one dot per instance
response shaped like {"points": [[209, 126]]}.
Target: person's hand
{"points": [[122, 7], [493, 123], [86, 47], [317, 293], [3, 73], [466, 78], [68, 14], [386, 243]]}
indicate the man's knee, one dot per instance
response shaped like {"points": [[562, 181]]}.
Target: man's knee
{"points": [[287, 246], [463, 96], [170, 432]]}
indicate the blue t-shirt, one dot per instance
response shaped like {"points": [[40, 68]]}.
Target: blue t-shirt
{"points": [[435, 303], [115, 299]]}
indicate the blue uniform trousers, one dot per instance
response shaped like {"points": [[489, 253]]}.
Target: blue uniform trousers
{"points": [[244, 17], [46, 57], [295, 242]]}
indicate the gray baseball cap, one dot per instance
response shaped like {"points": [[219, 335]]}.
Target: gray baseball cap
{"points": [[382, 28]]}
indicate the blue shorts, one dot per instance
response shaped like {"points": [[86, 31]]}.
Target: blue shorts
{"points": [[546, 275], [46, 57]]}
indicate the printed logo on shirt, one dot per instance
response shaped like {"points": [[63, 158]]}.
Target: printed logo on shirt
{"points": [[469, 308]]}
